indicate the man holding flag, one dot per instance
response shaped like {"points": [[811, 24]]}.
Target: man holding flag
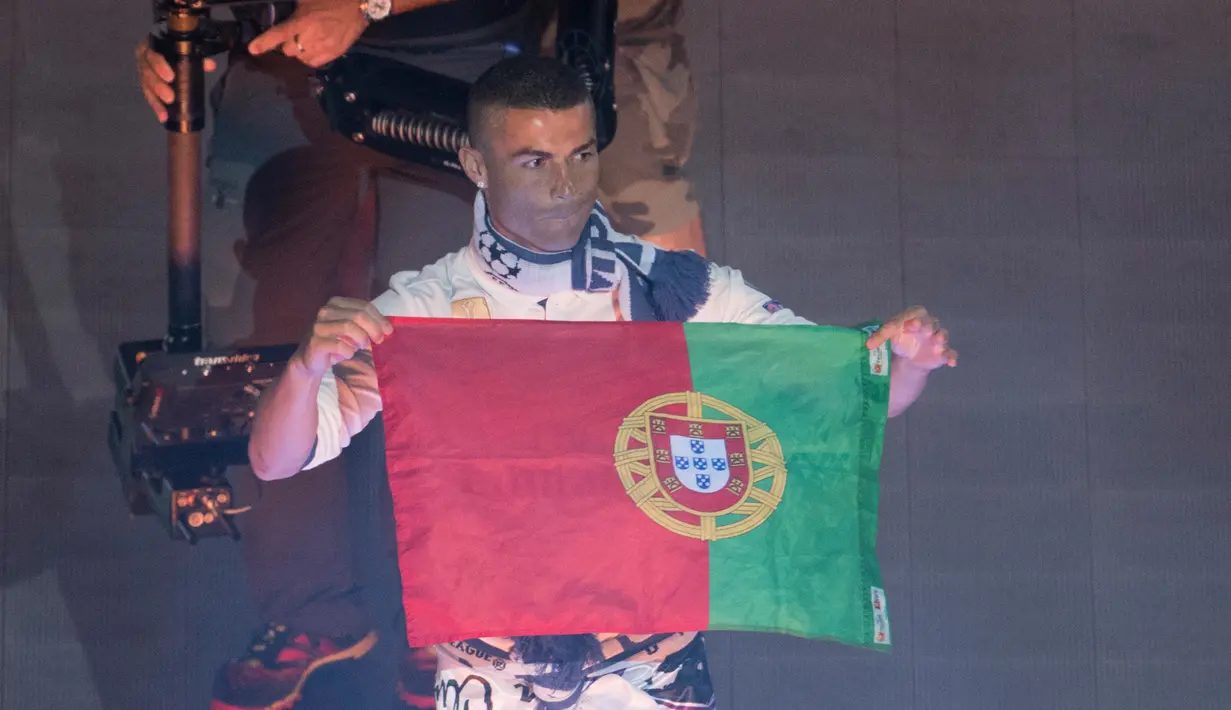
{"points": [[543, 249]]}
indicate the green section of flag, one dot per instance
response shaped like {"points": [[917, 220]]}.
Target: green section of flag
{"points": [[811, 566]]}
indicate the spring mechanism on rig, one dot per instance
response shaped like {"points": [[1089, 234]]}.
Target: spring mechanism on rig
{"points": [[418, 130]]}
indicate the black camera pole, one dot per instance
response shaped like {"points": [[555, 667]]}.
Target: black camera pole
{"points": [[188, 39], [185, 121]]}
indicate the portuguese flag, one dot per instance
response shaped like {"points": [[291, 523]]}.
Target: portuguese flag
{"points": [[635, 478]]}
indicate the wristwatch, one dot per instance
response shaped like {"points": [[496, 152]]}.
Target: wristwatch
{"points": [[375, 10]]}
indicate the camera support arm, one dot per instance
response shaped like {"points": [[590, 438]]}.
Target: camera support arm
{"points": [[189, 36]]}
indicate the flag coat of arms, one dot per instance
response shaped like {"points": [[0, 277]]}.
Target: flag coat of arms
{"points": [[637, 478]]}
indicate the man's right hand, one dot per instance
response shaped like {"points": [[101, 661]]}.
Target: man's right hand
{"points": [[343, 327], [156, 76]]}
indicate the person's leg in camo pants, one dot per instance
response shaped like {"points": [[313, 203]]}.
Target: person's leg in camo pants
{"points": [[644, 183]]}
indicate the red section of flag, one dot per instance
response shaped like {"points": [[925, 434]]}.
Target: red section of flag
{"points": [[511, 516]]}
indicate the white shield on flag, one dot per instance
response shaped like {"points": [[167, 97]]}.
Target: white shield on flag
{"points": [[700, 464]]}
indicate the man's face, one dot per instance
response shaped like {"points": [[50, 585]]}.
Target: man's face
{"points": [[541, 173]]}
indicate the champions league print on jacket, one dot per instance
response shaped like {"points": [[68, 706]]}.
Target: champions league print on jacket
{"points": [[638, 673]]}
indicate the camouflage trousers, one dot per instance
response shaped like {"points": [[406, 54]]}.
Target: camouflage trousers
{"points": [[644, 182]]}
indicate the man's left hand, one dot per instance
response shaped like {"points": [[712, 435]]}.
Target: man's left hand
{"points": [[318, 32], [916, 337]]}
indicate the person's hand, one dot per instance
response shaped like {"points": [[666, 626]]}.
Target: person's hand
{"points": [[318, 32], [343, 327], [156, 76], [916, 337]]}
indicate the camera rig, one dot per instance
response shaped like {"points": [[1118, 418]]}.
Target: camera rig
{"points": [[182, 414], [420, 116]]}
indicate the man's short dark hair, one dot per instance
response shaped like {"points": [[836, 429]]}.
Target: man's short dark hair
{"points": [[524, 82]]}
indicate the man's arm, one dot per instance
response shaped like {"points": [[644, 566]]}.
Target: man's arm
{"points": [[315, 418], [906, 383], [400, 6], [325, 29], [292, 424], [284, 429], [320, 31], [315, 408], [919, 346]]}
